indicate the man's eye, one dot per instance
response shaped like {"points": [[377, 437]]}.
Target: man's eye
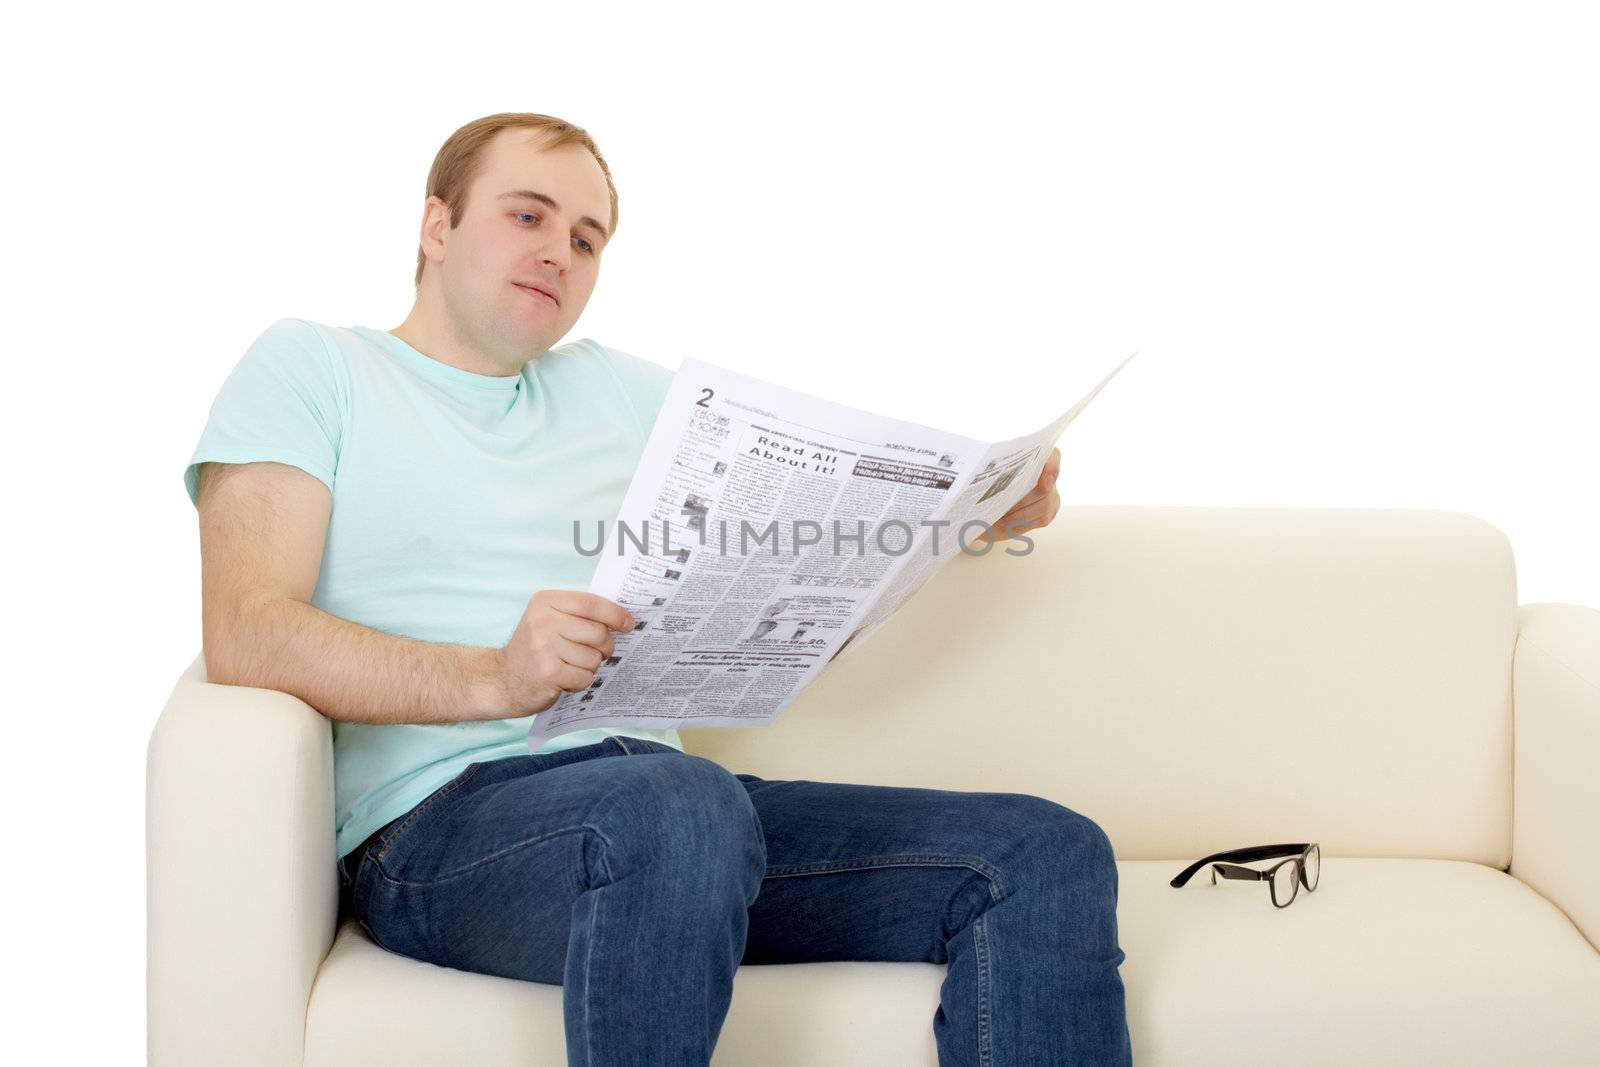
{"points": [[587, 247]]}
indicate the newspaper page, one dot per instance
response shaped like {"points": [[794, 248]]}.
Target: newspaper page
{"points": [[764, 531], [1007, 473]]}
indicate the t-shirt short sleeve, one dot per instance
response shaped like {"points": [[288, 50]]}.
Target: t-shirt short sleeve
{"points": [[643, 382], [286, 401]]}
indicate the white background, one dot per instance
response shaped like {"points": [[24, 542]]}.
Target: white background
{"points": [[1354, 245]]}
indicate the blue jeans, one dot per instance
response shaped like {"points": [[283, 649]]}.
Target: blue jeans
{"points": [[639, 878]]}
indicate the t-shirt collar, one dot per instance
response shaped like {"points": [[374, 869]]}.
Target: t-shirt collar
{"points": [[444, 373]]}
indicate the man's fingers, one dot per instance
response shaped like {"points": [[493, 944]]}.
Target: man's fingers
{"points": [[584, 657], [1038, 513], [1021, 522], [592, 606], [571, 679], [582, 631], [1005, 525], [1035, 496], [1031, 513]]}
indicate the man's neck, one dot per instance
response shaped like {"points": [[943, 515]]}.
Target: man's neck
{"points": [[436, 340]]}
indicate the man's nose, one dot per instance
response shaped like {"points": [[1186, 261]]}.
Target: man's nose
{"points": [[557, 253]]}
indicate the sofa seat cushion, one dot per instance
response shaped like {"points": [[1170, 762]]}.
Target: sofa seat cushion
{"points": [[1390, 961], [374, 1006]]}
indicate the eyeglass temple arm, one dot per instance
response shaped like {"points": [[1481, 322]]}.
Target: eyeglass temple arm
{"points": [[1229, 870], [1242, 855]]}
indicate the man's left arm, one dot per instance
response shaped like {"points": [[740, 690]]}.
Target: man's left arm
{"points": [[1038, 508]]}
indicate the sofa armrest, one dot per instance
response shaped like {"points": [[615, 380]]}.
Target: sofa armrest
{"points": [[1556, 792], [239, 865]]}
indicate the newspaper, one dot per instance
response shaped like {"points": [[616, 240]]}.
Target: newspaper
{"points": [[766, 533]]}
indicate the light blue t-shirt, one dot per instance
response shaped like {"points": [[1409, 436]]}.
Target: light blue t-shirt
{"points": [[454, 496]]}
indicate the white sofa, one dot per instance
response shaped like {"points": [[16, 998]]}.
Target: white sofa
{"points": [[1193, 679]]}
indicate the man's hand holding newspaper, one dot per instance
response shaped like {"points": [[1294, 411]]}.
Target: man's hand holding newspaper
{"points": [[1037, 509], [766, 533]]}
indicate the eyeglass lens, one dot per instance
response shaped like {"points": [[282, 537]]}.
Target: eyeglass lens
{"points": [[1286, 877], [1285, 881]]}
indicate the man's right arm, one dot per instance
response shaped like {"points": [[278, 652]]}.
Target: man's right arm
{"points": [[262, 530]]}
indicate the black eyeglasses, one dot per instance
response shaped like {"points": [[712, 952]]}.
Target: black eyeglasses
{"points": [[1285, 879]]}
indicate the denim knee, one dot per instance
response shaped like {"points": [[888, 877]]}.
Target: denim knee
{"points": [[683, 816], [1061, 841]]}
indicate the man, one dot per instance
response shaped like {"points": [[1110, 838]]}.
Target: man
{"points": [[376, 508]]}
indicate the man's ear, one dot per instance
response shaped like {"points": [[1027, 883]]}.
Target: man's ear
{"points": [[435, 224]]}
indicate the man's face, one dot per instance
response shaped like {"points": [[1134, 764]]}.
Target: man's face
{"points": [[510, 241]]}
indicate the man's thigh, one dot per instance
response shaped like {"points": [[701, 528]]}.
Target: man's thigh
{"points": [[485, 879], [889, 873]]}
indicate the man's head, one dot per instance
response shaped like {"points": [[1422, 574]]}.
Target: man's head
{"points": [[516, 201]]}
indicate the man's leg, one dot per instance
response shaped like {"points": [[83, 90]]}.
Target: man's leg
{"points": [[1016, 893], [621, 871]]}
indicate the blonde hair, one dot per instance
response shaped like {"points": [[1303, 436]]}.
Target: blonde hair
{"points": [[458, 161]]}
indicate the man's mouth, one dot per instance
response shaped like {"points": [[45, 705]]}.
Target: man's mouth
{"points": [[537, 293]]}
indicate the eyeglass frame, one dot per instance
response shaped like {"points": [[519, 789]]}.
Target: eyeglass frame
{"points": [[1297, 852]]}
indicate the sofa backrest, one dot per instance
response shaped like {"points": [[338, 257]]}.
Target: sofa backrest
{"points": [[1193, 679]]}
